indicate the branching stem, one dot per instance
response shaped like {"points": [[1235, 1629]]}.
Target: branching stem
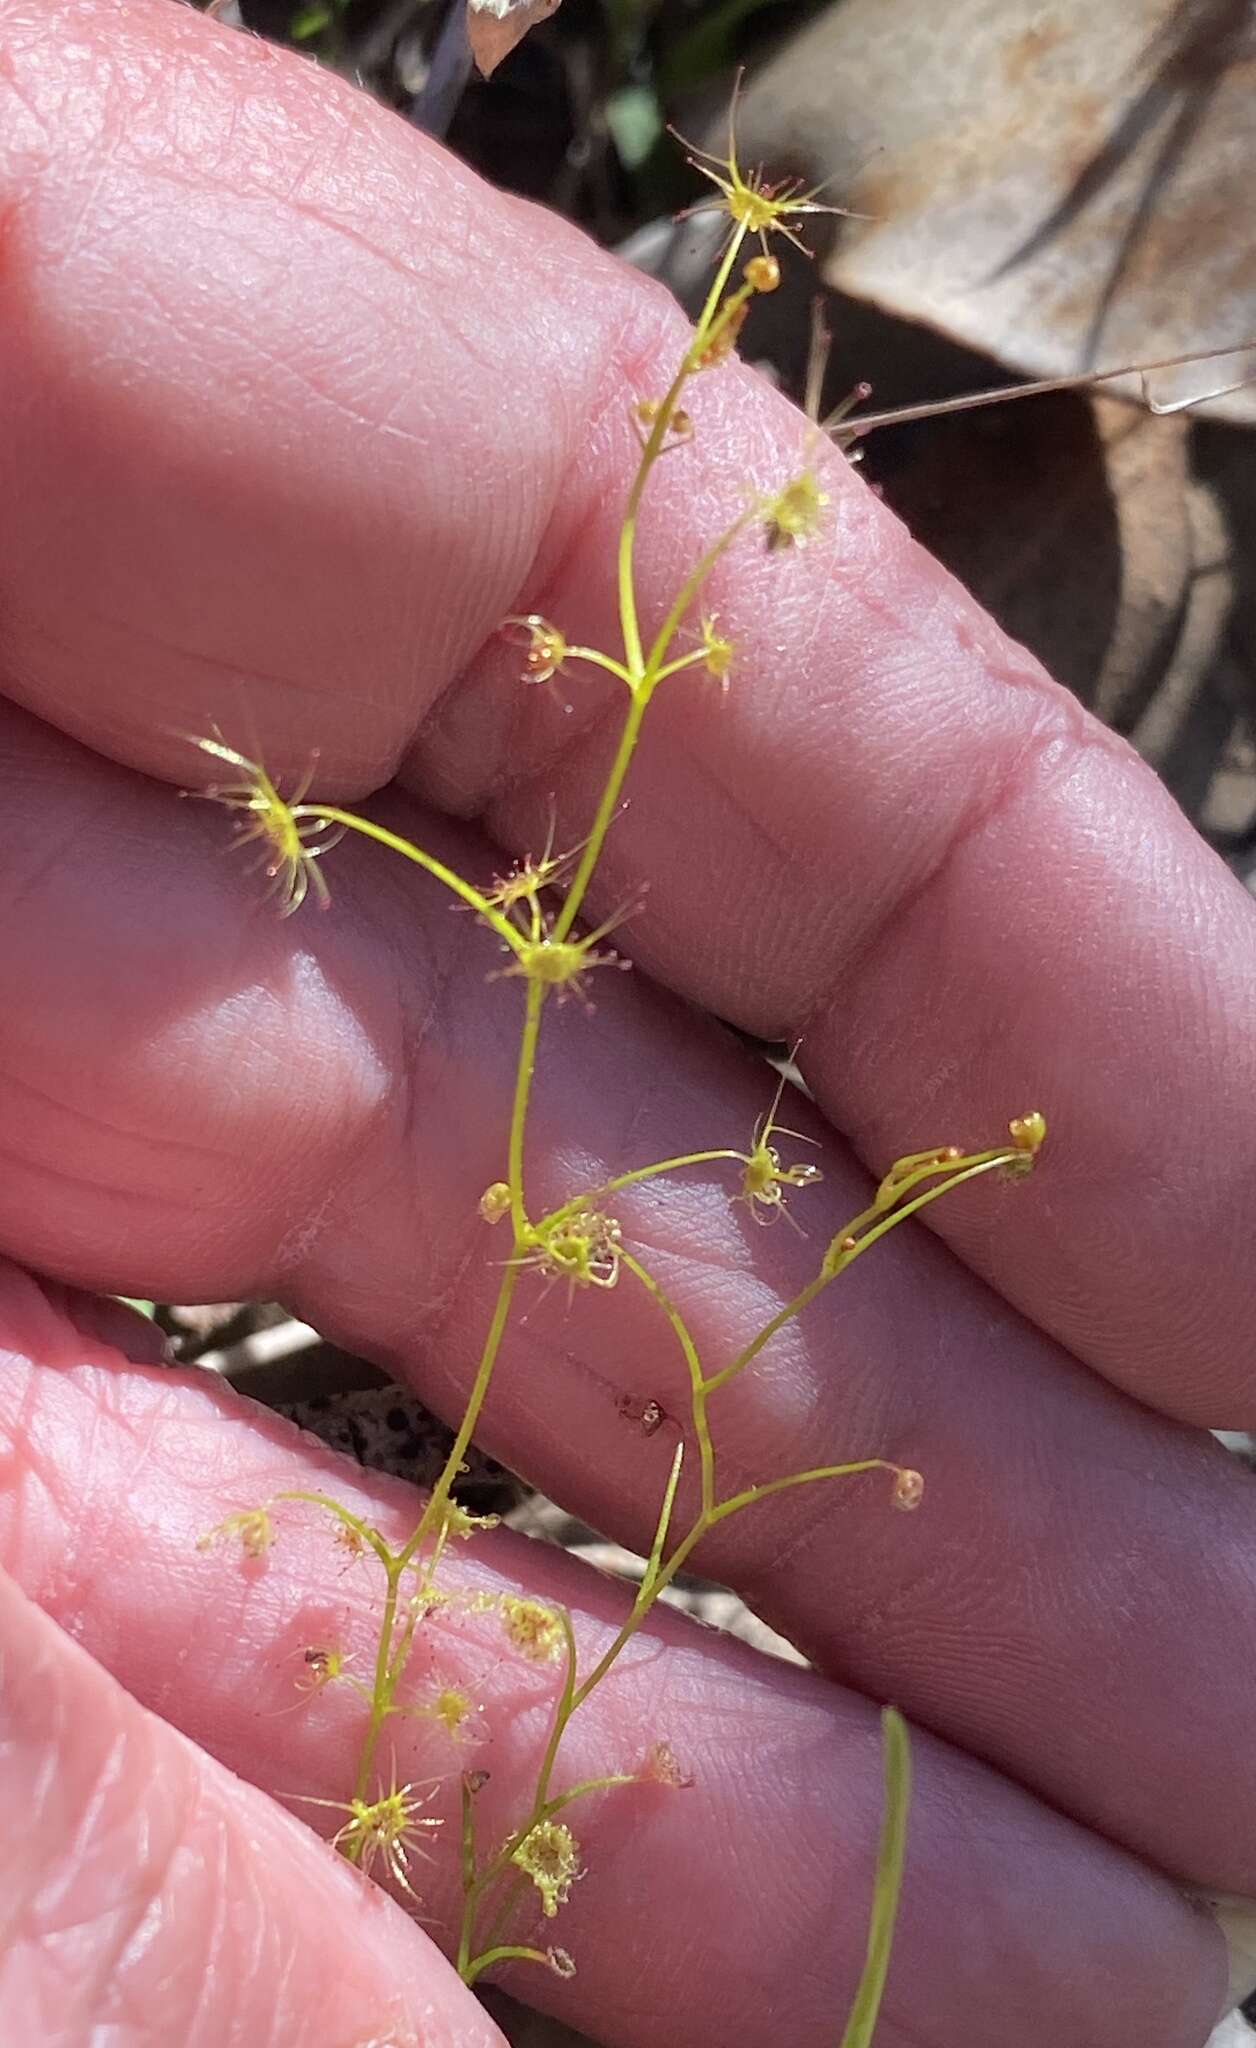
{"points": [[577, 1238], [349, 821]]}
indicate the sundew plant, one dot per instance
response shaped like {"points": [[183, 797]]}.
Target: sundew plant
{"points": [[510, 1885]]}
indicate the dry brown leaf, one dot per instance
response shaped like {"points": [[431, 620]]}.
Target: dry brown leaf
{"points": [[1068, 521], [1063, 186], [1149, 481], [495, 26]]}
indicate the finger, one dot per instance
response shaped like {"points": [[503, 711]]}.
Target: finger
{"points": [[107, 1320], [733, 1908], [270, 423], [156, 1898], [205, 1102]]}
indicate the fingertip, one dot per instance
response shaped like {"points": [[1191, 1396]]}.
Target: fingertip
{"points": [[251, 1929]]}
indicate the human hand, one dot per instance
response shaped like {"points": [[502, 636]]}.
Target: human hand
{"points": [[295, 411]]}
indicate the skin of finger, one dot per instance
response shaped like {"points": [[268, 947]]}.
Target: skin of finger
{"points": [[734, 1906], [1071, 1546], [953, 925], [105, 1319], [158, 1899]]}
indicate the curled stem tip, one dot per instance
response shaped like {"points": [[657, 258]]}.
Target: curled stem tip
{"points": [[292, 841]]}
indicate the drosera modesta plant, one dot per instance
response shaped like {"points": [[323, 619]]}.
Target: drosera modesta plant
{"points": [[535, 912]]}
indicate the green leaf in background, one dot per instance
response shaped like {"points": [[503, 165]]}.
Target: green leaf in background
{"points": [[308, 22], [889, 1880], [635, 123]]}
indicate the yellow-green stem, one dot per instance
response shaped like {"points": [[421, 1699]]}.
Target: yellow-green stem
{"points": [[689, 590], [659, 1575], [440, 1494], [628, 619], [362, 1530], [647, 681], [888, 1882], [603, 661], [351, 822], [719, 284], [524, 1071], [693, 1364], [750, 1494], [562, 1712], [651, 1588], [511, 1895], [694, 659], [838, 1258], [658, 1578], [389, 1668], [509, 1952], [381, 1695], [605, 812], [628, 1180], [803, 1299], [664, 1523], [542, 1810]]}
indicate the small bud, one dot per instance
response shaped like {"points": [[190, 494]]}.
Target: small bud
{"points": [[721, 347], [1028, 1132], [386, 1830], [765, 1178], [550, 1855], [583, 1249], [459, 1521], [562, 964], [252, 1528], [475, 1781], [762, 273], [646, 411], [495, 1202], [909, 1488], [322, 1667], [793, 515], [545, 649], [717, 652], [560, 1962], [532, 1628], [660, 1767], [292, 833], [451, 1708]]}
